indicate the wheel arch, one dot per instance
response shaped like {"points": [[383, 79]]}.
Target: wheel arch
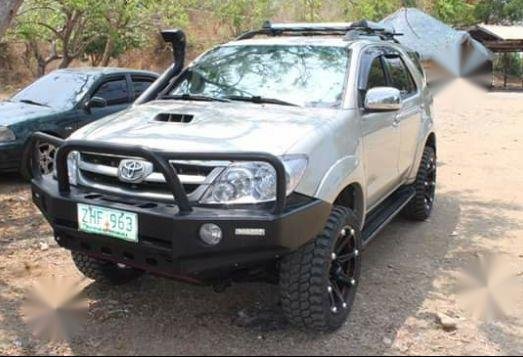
{"points": [[431, 141], [352, 197]]}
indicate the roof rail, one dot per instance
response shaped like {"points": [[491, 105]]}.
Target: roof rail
{"points": [[348, 29]]}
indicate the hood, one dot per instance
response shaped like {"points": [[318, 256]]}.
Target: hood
{"points": [[15, 112], [211, 126]]}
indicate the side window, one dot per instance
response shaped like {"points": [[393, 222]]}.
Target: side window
{"points": [[377, 77], [372, 73], [414, 56], [114, 92], [140, 85], [400, 76]]}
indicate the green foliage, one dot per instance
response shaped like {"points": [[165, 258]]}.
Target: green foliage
{"points": [[512, 63], [311, 10], [121, 26], [374, 10], [454, 12], [170, 13], [499, 11], [242, 15]]}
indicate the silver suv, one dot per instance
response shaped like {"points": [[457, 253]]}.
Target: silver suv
{"points": [[275, 157]]}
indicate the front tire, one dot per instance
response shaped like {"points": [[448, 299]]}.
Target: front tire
{"points": [[46, 157], [103, 272], [318, 282]]}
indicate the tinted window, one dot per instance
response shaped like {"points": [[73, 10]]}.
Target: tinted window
{"points": [[399, 76], [140, 85], [414, 56], [310, 76], [114, 92], [377, 76]]}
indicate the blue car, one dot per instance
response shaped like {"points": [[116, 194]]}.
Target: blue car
{"points": [[60, 103]]}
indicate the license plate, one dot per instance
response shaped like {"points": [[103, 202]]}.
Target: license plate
{"points": [[108, 222]]}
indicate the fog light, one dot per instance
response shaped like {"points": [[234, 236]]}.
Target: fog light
{"points": [[211, 234]]}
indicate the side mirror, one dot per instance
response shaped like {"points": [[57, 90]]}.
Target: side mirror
{"points": [[383, 99], [95, 102]]}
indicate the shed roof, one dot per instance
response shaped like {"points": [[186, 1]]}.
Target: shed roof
{"points": [[503, 33]]}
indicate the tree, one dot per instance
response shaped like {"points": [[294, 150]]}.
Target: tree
{"points": [[454, 12], [8, 10], [65, 26], [499, 11], [374, 10], [123, 24], [238, 16], [311, 10]]}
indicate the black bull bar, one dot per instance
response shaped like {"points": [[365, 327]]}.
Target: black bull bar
{"points": [[160, 159]]}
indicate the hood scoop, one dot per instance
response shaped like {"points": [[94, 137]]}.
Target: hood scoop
{"points": [[174, 118]]}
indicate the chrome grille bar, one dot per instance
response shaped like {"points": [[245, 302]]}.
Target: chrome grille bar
{"points": [[154, 177], [141, 190]]}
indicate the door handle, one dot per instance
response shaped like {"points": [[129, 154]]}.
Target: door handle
{"points": [[396, 121]]}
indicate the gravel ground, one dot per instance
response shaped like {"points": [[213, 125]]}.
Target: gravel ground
{"points": [[407, 302]]}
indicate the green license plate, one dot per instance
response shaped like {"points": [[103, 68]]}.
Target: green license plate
{"points": [[108, 222]]}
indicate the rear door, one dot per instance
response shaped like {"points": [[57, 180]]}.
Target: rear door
{"points": [[409, 118], [381, 135], [139, 84]]}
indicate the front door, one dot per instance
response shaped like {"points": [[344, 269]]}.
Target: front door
{"points": [[409, 118], [115, 91], [381, 133]]}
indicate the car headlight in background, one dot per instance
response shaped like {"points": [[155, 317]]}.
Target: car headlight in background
{"points": [[253, 182], [72, 167], [6, 134]]}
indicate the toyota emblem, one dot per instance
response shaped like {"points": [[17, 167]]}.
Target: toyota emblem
{"points": [[134, 171]]}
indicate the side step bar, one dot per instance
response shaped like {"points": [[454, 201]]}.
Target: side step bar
{"points": [[379, 217]]}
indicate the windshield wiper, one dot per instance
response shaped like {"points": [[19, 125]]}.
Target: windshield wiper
{"points": [[196, 97], [28, 101], [261, 100]]}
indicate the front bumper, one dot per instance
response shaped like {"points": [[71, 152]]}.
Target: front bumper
{"points": [[169, 242]]}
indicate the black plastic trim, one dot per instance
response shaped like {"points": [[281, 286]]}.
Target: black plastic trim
{"points": [[173, 241]]}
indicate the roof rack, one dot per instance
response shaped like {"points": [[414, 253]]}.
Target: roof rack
{"points": [[351, 30], [369, 28]]}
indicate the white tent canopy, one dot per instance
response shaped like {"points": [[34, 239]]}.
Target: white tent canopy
{"points": [[455, 51]]}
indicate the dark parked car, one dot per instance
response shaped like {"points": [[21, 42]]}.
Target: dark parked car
{"points": [[60, 103]]}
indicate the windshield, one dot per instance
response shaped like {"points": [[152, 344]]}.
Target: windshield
{"points": [[309, 76], [58, 90]]}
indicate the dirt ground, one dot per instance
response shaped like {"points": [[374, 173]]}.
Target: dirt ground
{"points": [[409, 274]]}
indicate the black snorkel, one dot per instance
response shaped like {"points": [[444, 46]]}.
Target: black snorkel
{"points": [[178, 42]]}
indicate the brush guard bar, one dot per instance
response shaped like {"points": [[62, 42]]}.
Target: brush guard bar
{"points": [[157, 157]]}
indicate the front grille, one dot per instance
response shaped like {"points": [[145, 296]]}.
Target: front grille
{"points": [[101, 172], [181, 168], [144, 187]]}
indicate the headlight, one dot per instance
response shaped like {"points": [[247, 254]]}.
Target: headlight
{"points": [[72, 167], [6, 134], [253, 182]]}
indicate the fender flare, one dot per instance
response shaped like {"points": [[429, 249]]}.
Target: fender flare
{"points": [[336, 180]]}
